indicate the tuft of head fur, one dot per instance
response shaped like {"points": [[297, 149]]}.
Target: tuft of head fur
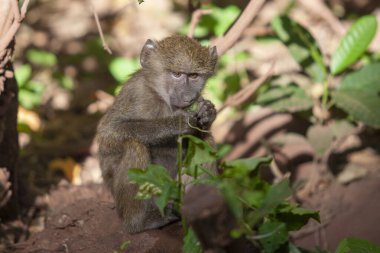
{"points": [[185, 55]]}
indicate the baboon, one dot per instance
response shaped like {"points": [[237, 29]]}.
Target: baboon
{"points": [[144, 122]]}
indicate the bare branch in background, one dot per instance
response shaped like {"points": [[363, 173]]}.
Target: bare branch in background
{"points": [[104, 43], [319, 8], [226, 42], [5, 16], [8, 34], [245, 93], [195, 18]]}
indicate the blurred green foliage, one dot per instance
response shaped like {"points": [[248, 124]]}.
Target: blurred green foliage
{"points": [[215, 24], [355, 245], [30, 91], [121, 69], [358, 98], [226, 82], [301, 45], [41, 57]]}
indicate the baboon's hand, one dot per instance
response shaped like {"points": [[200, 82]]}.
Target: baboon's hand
{"points": [[205, 114], [185, 121]]}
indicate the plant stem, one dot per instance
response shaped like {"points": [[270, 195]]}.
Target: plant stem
{"points": [[180, 184], [179, 166], [325, 93]]}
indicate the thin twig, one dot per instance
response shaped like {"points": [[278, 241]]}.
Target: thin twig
{"points": [[314, 228], [227, 41], [245, 93], [195, 18], [16, 11], [24, 8], [104, 43], [278, 175]]}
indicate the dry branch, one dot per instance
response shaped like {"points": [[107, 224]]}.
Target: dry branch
{"points": [[15, 20], [195, 18], [226, 42], [319, 8], [104, 43], [10, 21], [245, 93]]}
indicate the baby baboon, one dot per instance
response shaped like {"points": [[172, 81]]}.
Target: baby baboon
{"points": [[148, 115]]}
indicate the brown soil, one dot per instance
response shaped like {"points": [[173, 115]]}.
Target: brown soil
{"points": [[90, 224], [83, 219], [346, 211]]}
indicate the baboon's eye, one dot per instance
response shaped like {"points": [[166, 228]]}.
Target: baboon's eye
{"points": [[193, 76], [176, 74]]}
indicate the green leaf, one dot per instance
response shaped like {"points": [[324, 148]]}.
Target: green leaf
{"points": [[242, 168], [341, 128], [225, 18], [218, 21], [223, 150], [64, 81], [276, 194], [354, 43], [367, 78], [358, 94], [253, 198], [191, 243], [293, 248], [153, 173], [23, 74], [295, 217], [320, 138], [356, 246], [30, 94], [164, 199], [23, 128], [121, 68], [154, 181], [362, 105], [273, 234], [125, 244], [230, 195], [285, 98], [40, 57], [232, 82], [199, 153], [301, 45]]}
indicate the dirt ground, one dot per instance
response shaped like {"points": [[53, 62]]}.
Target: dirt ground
{"points": [[83, 219], [346, 211]]}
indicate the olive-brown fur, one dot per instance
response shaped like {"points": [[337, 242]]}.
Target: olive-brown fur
{"points": [[148, 115]]}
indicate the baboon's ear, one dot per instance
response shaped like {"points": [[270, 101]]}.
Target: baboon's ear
{"points": [[213, 52], [146, 51], [214, 55]]}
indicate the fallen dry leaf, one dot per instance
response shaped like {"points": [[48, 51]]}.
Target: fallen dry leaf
{"points": [[69, 167], [30, 118]]}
